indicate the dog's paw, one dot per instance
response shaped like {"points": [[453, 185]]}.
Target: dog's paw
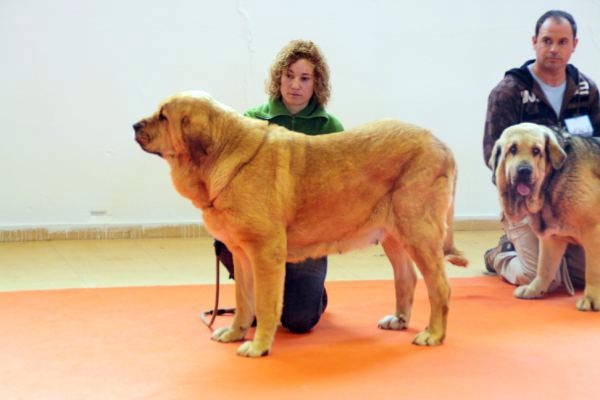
{"points": [[252, 349], [587, 303], [527, 292], [227, 335], [393, 323], [426, 338]]}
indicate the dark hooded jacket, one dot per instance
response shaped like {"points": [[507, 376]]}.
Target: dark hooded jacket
{"points": [[518, 98]]}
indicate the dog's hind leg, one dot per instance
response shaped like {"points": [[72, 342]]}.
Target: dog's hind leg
{"points": [[405, 280], [268, 264], [422, 234], [591, 295], [421, 226], [427, 253]]}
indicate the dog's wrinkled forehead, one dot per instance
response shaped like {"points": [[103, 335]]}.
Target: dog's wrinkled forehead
{"points": [[192, 98], [524, 134]]}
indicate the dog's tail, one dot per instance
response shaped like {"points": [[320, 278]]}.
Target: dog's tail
{"points": [[451, 253], [456, 257]]}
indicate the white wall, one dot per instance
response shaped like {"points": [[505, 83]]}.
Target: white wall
{"points": [[75, 75]]}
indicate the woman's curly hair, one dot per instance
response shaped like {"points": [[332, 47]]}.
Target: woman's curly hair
{"points": [[292, 52]]}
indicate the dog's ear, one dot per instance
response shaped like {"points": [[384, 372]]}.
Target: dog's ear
{"points": [[195, 136], [495, 159], [169, 114], [554, 151], [497, 163]]}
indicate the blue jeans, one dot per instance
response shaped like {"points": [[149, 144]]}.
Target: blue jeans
{"points": [[304, 296]]}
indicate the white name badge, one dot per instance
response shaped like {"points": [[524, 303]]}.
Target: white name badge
{"points": [[581, 125]]}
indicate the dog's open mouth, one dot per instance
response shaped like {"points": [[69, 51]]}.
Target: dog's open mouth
{"points": [[523, 189]]}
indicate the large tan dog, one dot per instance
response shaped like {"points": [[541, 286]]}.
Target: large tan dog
{"points": [[273, 195], [555, 180]]}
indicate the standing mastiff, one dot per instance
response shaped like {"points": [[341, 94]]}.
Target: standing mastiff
{"points": [[272, 195]]}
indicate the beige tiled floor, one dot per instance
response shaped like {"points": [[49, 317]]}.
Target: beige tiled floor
{"points": [[147, 262]]}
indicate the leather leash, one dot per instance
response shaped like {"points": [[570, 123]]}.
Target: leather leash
{"points": [[216, 310]]}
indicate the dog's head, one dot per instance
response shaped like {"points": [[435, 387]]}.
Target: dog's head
{"points": [[521, 160], [182, 126]]}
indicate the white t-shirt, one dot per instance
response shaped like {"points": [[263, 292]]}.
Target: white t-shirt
{"points": [[554, 94]]}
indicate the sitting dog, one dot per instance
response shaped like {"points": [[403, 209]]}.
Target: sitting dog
{"points": [[553, 178], [272, 195]]}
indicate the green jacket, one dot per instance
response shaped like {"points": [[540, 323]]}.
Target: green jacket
{"points": [[312, 120]]}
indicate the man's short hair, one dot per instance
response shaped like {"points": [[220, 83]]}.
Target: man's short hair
{"points": [[557, 15]]}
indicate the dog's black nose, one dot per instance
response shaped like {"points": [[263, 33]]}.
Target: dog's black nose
{"points": [[524, 172], [137, 126]]}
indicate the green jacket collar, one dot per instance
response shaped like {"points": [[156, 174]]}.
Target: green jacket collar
{"points": [[276, 108]]}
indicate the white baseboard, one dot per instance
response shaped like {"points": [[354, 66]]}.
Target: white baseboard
{"points": [[101, 232], [182, 230]]}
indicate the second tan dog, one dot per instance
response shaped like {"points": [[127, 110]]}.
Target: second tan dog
{"points": [[554, 180], [273, 196]]}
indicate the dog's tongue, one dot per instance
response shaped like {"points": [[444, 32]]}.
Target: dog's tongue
{"points": [[523, 189]]}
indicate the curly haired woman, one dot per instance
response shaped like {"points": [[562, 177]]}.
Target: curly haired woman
{"points": [[298, 89]]}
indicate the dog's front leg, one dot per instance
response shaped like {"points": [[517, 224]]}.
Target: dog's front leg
{"points": [[591, 295], [552, 250], [405, 280], [244, 300], [268, 264]]}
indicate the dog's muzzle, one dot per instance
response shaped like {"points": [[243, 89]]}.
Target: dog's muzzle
{"points": [[140, 136], [523, 181], [137, 126], [143, 138]]}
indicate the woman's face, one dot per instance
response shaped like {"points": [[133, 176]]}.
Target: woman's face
{"points": [[297, 85]]}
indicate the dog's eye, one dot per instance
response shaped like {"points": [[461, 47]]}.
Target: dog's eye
{"points": [[161, 117], [535, 151], [513, 149]]}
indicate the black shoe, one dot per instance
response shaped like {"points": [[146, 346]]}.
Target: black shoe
{"points": [[503, 246]]}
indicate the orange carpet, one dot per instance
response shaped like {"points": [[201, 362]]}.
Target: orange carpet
{"points": [[148, 343]]}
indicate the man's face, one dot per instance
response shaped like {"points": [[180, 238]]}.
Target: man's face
{"points": [[554, 44]]}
